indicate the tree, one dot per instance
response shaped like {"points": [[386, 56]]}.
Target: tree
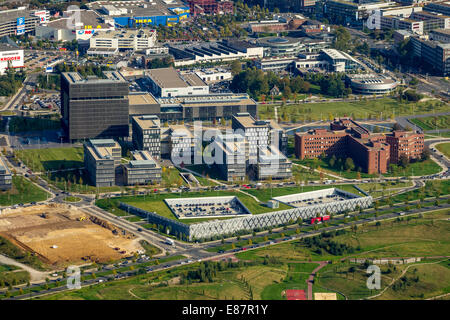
{"points": [[235, 67], [349, 164], [403, 160]]}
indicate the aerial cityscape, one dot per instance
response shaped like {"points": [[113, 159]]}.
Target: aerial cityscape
{"points": [[223, 150]]}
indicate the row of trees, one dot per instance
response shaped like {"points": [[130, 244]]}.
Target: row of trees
{"points": [[11, 81]]}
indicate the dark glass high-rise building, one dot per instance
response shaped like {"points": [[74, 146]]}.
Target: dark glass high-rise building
{"points": [[93, 107]]}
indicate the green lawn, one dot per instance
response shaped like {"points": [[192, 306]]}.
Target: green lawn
{"points": [[23, 124], [326, 168], [444, 148], [155, 203], [357, 109], [432, 123], [42, 160], [72, 199], [265, 194], [22, 191]]}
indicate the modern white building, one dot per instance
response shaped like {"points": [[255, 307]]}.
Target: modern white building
{"points": [[86, 24], [168, 82], [225, 50], [124, 39], [214, 75], [147, 134]]}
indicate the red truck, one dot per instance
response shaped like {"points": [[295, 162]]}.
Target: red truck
{"points": [[319, 219]]}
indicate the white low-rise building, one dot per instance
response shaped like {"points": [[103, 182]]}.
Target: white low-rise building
{"points": [[124, 40], [10, 56]]}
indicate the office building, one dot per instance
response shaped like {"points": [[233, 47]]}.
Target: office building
{"points": [[278, 136], [438, 6], [5, 175], [93, 107], [272, 164], [281, 46], [135, 40], [233, 152], [436, 55], [16, 22], [257, 133], [177, 142], [101, 158], [339, 61], [441, 35], [372, 153], [147, 134], [168, 82], [370, 83], [213, 75], [142, 169], [225, 50]]}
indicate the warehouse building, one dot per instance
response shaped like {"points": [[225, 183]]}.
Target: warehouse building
{"points": [[147, 134], [142, 169], [101, 159], [197, 7], [94, 107], [135, 14]]}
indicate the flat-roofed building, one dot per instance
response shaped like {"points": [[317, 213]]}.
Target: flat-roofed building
{"points": [[339, 61], [147, 134], [438, 6], [206, 107], [101, 158], [177, 143], [168, 82], [143, 103], [93, 107], [17, 22], [410, 144], [5, 175], [233, 150], [272, 164], [142, 169], [371, 83], [278, 136], [441, 35], [255, 131], [124, 39], [88, 24], [372, 153]]}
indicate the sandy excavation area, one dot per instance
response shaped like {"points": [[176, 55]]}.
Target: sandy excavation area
{"points": [[62, 235]]}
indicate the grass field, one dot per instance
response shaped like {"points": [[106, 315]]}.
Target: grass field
{"points": [[419, 168], [289, 265], [357, 110], [72, 199], [444, 148], [432, 123], [42, 160], [22, 124], [22, 191], [155, 203], [11, 275]]}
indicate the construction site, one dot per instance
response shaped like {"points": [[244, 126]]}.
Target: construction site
{"points": [[62, 234]]}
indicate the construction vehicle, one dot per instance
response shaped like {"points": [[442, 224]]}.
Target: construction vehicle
{"points": [[82, 218]]}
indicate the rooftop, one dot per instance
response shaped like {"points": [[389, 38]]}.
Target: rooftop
{"points": [[147, 121], [87, 18], [77, 78], [127, 33], [141, 98], [247, 121], [171, 78]]}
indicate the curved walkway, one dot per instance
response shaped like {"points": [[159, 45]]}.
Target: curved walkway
{"points": [[35, 275]]}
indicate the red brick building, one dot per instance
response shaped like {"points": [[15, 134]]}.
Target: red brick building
{"points": [[371, 152]]}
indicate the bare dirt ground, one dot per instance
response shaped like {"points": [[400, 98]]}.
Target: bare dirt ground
{"points": [[62, 234]]}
